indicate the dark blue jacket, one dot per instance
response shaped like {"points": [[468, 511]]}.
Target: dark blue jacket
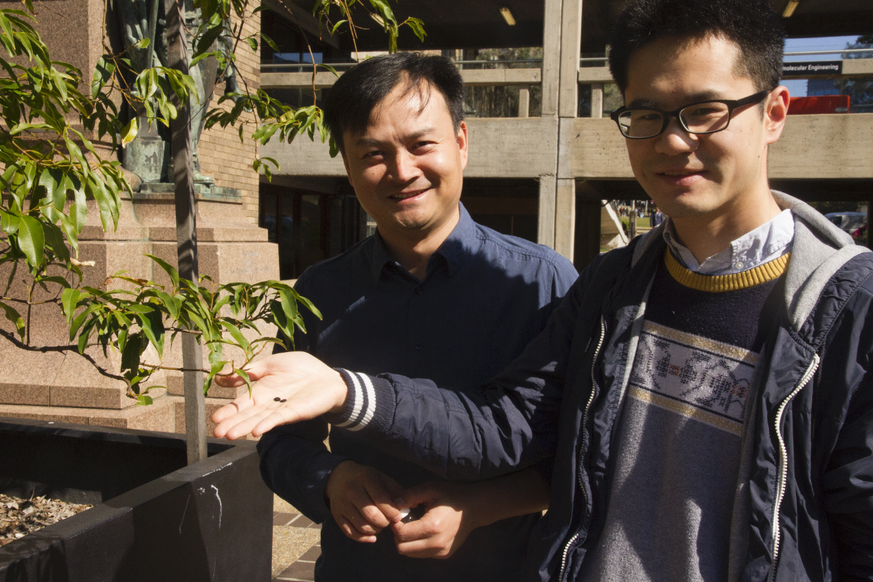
{"points": [[804, 508]]}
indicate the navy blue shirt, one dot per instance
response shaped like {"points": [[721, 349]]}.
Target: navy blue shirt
{"points": [[484, 297]]}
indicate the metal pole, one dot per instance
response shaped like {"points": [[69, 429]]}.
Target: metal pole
{"points": [[186, 235]]}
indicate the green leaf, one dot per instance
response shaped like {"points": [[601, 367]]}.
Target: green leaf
{"points": [[308, 304], [337, 25], [79, 207], [133, 349], [103, 72], [417, 27], [31, 241], [217, 366], [56, 279], [237, 335], [13, 316], [152, 325], [70, 302], [9, 222], [144, 400], [52, 180], [54, 238], [204, 43], [128, 134], [384, 10], [270, 43], [170, 269], [172, 304], [244, 375]]}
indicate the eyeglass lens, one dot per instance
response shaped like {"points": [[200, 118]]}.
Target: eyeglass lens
{"points": [[698, 118]]}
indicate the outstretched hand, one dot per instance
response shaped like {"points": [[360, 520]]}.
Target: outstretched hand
{"points": [[286, 388]]}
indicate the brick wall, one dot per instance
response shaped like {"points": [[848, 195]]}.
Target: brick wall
{"points": [[222, 156]]}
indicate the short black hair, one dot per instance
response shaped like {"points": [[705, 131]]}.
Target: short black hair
{"points": [[752, 24], [358, 91]]}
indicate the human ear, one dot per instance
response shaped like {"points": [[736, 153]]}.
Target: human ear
{"points": [[462, 143], [775, 113]]}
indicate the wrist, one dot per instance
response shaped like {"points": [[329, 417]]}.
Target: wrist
{"points": [[342, 393]]}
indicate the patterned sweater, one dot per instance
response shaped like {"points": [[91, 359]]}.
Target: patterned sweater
{"points": [[676, 468]]}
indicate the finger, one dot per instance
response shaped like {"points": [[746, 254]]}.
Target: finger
{"points": [[421, 548], [356, 517], [353, 533], [243, 422], [386, 496], [257, 424]]}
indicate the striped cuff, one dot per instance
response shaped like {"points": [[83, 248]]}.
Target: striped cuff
{"points": [[360, 403]]}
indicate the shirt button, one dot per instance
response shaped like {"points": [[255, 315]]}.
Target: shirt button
{"points": [[739, 265], [419, 346], [419, 290]]}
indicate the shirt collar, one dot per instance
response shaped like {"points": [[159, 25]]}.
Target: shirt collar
{"points": [[455, 250], [767, 242]]}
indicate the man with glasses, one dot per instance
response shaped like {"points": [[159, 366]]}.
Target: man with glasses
{"points": [[706, 391]]}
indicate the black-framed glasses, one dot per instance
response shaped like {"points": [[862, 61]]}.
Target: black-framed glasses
{"points": [[699, 118]]}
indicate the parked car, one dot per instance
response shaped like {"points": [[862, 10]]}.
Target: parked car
{"points": [[848, 221]]}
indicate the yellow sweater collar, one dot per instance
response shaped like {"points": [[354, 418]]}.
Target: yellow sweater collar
{"points": [[720, 283]]}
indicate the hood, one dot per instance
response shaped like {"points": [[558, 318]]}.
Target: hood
{"points": [[819, 250]]}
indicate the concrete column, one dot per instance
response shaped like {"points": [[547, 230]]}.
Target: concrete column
{"points": [[552, 27], [571, 42], [597, 100], [546, 223], [562, 34], [568, 106], [565, 217], [551, 76], [524, 102]]}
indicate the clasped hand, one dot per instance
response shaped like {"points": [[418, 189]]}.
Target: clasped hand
{"points": [[364, 501]]}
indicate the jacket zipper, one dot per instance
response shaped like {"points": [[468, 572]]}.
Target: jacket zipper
{"points": [[783, 463], [583, 447]]}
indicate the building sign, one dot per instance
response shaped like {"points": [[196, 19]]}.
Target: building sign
{"points": [[812, 68]]}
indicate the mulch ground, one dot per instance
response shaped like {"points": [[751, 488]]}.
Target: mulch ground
{"points": [[19, 517]]}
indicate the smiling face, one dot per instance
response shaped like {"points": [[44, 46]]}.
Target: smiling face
{"points": [[407, 167], [713, 183]]}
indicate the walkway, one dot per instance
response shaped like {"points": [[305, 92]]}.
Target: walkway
{"points": [[295, 544]]}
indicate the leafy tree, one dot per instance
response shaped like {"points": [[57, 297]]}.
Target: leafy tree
{"points": [[51, 171]]}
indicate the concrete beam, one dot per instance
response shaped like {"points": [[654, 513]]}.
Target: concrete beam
{"points": [[594, 75], [824, 146], [323, 80], [501, 77], [512, 147], [499, 148], [597, 150], [472, 78], [812, 146]]}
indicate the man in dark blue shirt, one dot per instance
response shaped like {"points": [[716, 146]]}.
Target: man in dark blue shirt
{"points": [[432, 295]]}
